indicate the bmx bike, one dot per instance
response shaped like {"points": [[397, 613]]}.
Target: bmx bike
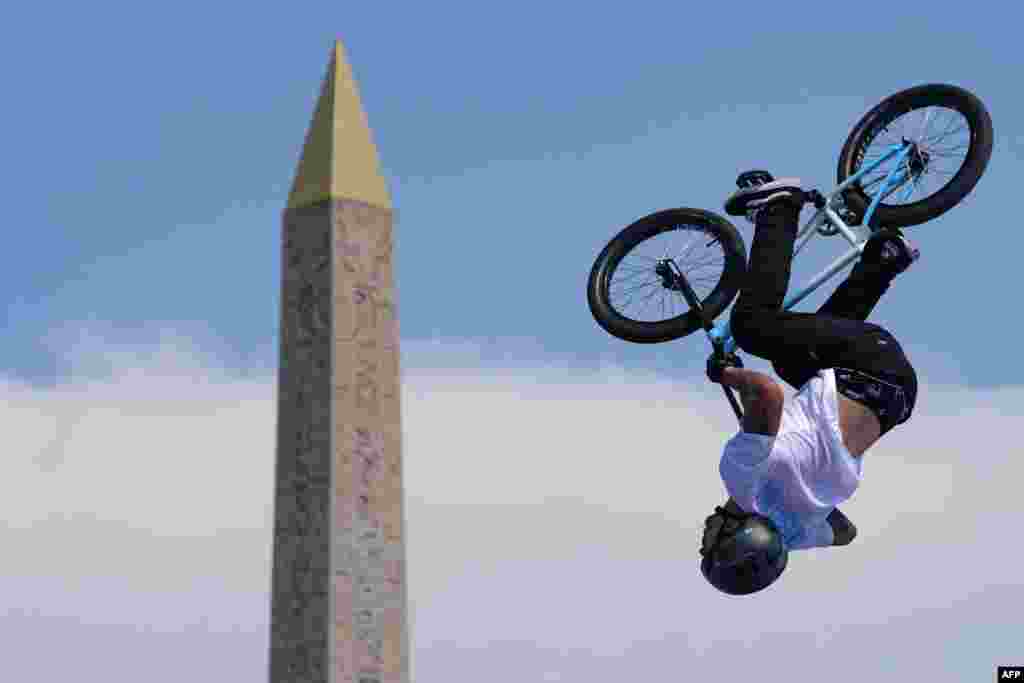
{"points": [[910, 159]]}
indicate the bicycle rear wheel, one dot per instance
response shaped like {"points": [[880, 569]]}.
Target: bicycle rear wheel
{"points": [[950, 134], [632, 301]]}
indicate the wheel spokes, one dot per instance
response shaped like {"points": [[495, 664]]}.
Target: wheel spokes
{"points": [[637, 292], [940, 139]]}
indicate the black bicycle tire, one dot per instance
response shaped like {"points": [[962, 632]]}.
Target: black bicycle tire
{"points": [[975, 163], [714, 303]]}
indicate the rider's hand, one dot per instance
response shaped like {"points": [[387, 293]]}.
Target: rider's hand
{"points": [[718, 364]]}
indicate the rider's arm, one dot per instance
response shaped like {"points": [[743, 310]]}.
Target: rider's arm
{"points": [[762, 399], [843, 529]]}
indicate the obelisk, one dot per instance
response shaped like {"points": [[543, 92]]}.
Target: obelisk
{"points": [[338, 589]]}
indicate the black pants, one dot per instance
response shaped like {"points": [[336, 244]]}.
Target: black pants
{"points": [[837, 336]]}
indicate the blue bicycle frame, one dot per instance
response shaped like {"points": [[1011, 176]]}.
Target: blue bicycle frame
{"points": [[828, 222]]}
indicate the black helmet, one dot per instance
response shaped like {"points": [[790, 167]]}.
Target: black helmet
{"points": [[741, 553]]}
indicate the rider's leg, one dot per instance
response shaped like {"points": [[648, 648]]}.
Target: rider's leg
{"points": [[886, 254], [854, 298], [859, 293], [761, 328], [757, 322], [775, 205]]}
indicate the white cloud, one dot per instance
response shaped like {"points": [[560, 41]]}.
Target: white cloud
{"points": [[553, 519]]}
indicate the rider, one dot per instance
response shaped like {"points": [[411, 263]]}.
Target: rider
{"points": [[793, 462]]}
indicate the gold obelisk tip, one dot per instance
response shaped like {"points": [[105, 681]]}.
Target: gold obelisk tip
{"points": [[339, 160]]}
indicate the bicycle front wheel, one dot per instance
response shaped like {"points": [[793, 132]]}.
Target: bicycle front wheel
{"points": [[631, 300]]}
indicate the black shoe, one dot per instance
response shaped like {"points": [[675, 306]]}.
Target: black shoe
{"points": [[753, 179], [754, 195], [890, 249]]}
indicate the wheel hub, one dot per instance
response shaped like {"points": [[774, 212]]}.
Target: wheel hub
{"points": [[668, 279], [917, 158]]}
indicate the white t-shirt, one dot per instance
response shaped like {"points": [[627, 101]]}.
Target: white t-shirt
{"points": [[798, 476]]}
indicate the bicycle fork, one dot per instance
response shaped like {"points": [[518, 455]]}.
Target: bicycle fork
{"points": [[668, 269]]}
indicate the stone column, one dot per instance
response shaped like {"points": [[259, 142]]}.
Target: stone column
{"points": [[338, 603]]}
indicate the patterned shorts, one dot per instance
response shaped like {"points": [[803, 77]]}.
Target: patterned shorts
{"points": [[887, 400]]}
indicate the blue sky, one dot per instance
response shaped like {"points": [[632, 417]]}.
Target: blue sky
{"points": [[151, 152], [150, 149]]}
